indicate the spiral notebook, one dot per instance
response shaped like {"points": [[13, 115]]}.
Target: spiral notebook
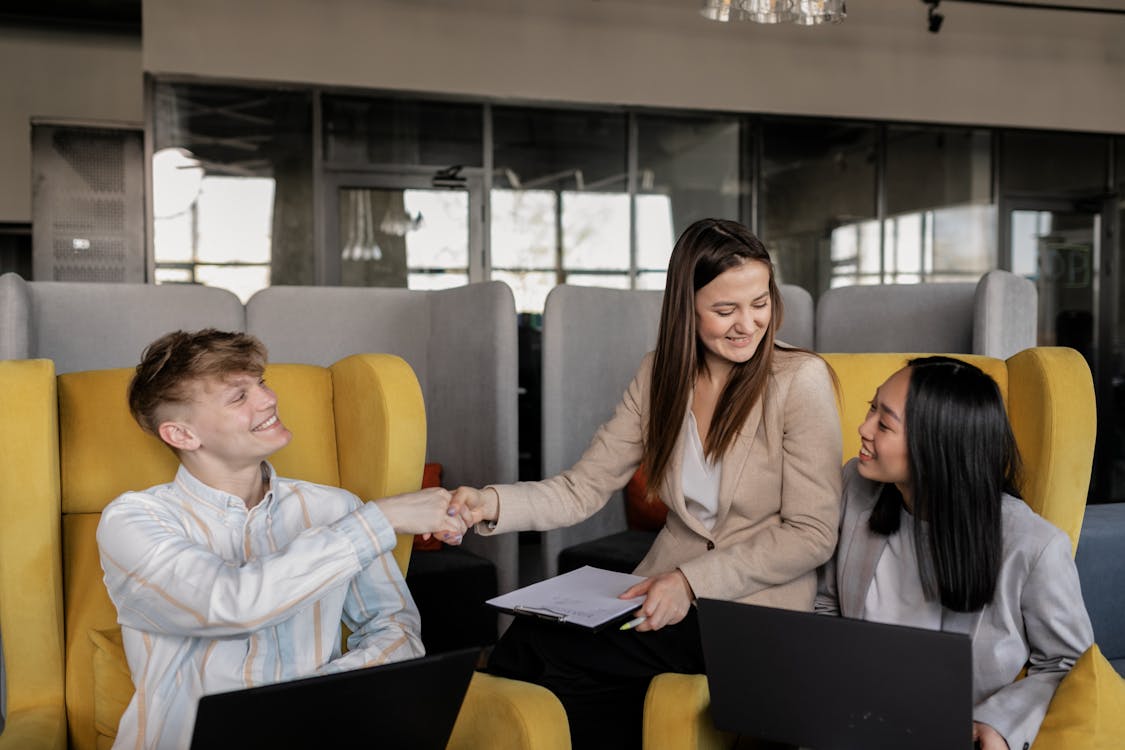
{"points": [[586, 597]]}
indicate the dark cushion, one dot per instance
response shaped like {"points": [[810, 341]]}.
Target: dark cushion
{"points": [[1101, 569], [450, 586], [621, 552]]}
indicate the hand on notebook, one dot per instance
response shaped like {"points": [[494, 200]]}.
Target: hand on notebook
{"points": [[987, 738], [425, 512], [668, 599]]}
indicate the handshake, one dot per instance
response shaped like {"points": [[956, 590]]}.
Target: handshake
{"points": [[439, 512]]}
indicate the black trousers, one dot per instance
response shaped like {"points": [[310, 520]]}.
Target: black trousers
{"points": [[600, 678]]}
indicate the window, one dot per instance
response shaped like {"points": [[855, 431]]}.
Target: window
{"points": [[232, 181], [560, 203]]}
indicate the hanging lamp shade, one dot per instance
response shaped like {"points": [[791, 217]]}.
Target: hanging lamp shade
{"points": [[812, 12], [767, 11], [802, 12], [720, 10]]}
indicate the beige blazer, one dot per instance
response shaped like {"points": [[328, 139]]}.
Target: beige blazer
{"points": [[779, 493]]}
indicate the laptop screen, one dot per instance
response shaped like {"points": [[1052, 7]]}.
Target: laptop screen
{"points": [[835, 683], [411, 703]]}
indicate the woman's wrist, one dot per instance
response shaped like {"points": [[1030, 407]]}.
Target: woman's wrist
{"points": [[490, 504]]}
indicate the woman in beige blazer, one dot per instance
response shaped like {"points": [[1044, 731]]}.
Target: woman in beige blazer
{"points": [[739, 437], [932, 536]]}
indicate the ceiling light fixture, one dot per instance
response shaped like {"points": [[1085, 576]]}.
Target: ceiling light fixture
{"points": [[801, 12]]}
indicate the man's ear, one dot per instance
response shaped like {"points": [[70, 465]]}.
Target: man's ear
{"points": [[178, 435]]}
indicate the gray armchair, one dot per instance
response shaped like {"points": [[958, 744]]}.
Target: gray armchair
{"points": [[460, 342]]}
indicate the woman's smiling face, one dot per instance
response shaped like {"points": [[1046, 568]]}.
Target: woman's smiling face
{"points": [[732, 313], [883, 453]]}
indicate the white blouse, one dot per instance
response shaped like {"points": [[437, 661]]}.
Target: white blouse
{"points": [[700, 478], [896, 595]]}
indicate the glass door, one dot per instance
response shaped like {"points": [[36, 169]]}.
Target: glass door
{"points": [[1063, 246], [410, 230]]}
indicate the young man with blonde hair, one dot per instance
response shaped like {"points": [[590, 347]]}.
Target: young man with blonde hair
{"points": [[231, 576]]}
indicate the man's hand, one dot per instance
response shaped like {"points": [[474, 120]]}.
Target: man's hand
{"points": [[425, 512], [474, 506], [987, 738], [668, 599]]}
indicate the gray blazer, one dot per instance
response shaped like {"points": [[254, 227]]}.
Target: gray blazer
{"points": [[779, 491], [1036, 618]]}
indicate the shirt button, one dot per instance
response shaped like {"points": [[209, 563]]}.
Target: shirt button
{"points": [[710, 545]]}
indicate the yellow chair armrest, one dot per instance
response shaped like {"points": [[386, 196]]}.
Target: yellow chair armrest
{"points": [[1052, 410], [39, 728], [1087, 711], [503, 714], [376, 395], [677, 715]]}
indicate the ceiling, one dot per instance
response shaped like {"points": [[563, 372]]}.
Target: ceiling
{"points": [[122, 15]]}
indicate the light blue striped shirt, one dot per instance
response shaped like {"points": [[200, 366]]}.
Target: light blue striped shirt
{"points": [[212, 597]]}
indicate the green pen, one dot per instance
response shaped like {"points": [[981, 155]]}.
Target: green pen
{"points": [[634, 622]]}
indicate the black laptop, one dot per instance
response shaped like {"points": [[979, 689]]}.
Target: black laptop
{"points": [[834, 683], [408, 704]]}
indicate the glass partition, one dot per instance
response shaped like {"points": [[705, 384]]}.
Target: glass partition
{"points": [[818, 202], [560, 202], [232, 186], [1053, 163], [1117, 353], [837, 202], [363, 130], [940, 219], [688, 168], [403, 237]]}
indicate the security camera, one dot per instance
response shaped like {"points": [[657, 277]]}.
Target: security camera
{"points": [[933, 18]]}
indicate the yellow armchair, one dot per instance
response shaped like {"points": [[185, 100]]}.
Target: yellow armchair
{"points": [[1050, 398], [70, 446], [31, 603]]}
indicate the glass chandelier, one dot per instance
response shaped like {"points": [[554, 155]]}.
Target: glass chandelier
{"points": [[803, 12]]}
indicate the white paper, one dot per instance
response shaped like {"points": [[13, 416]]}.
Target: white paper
{"points": [[586, 596]]}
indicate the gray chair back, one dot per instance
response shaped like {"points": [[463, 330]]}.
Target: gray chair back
{"points": [[1005, 315], [994, 316], [462, 345], [91, 326]]}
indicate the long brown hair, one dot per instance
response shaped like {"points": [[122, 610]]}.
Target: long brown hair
{"points": [[705, 249]]}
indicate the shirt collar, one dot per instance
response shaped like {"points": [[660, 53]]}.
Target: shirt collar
{"points": [[221, 501]]}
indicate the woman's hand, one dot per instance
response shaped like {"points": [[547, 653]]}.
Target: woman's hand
{"points": [[474, 506], [668, 601], [988, 738], [425, 512]]}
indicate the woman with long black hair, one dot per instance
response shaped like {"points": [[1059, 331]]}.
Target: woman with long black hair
{"points": [[934, 535]]}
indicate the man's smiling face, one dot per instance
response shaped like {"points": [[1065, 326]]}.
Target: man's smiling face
{"points": [[234, 420]]}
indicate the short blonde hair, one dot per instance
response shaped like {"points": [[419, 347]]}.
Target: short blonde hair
{"points": [[172, 363]]}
